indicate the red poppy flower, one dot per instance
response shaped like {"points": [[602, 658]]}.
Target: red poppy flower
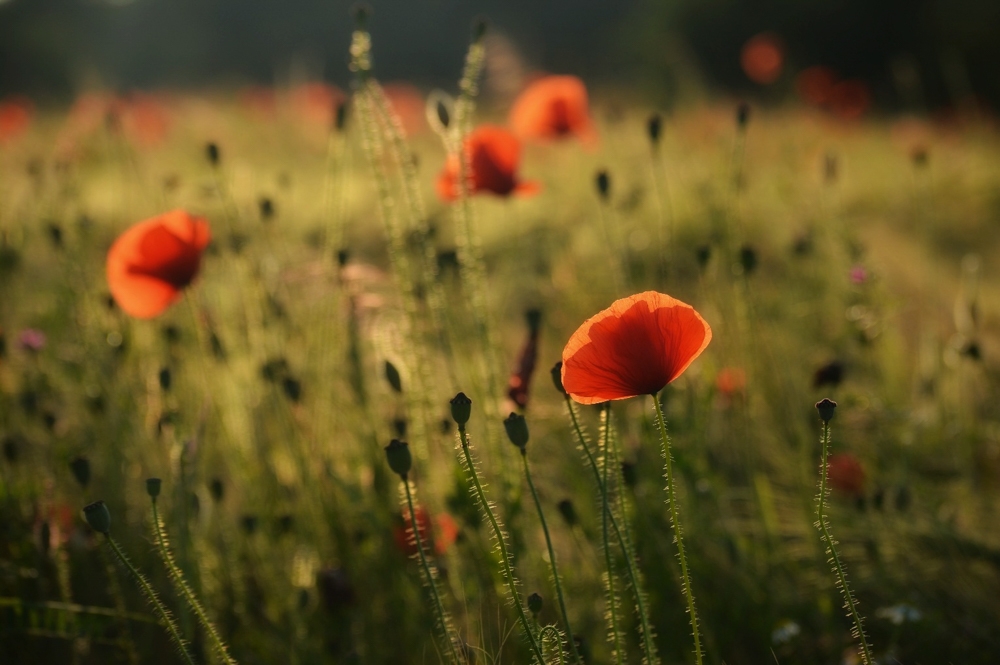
{"points": [[144, 119], [731, 381], [15, 117], [635, 347], [846, 475], [150, 264], [850, 99], [520, 380], [815, 85], [493, 155], [445, 533], [553, 107], [762, 58]]}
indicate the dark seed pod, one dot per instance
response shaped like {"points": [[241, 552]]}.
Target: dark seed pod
{"points": [[212, 153], [392, 376], [603, 182]]}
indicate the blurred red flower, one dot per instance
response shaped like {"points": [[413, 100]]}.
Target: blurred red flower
{"points": [[437, 539], [850, 99], [493, 154], [16, 114], [762, 58], [846, 475], [520, 380], [553, 107], [731, 381], [144, 119], [151, 263], [814, 85], [635, 347]]}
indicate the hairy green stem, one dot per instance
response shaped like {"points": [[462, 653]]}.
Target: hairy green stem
{"points": [[431, 576], [606, 517], [551, 632], [678, 532], [150, 594], [181, 585], [552, 561], [505, 556], [823, 525]]}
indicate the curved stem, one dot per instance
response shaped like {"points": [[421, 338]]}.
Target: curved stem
{"points": [[552, 562], [177, 576], [838, 567], [151, 596], [502, 545], [678, 535], [555, 636], [631, 567], [431, 578]]}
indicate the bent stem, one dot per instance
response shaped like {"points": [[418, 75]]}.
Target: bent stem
{"points": [[431, 574], [552, 562], [631, 566], [505, 557], [181, 585], [158, 607], [678, 532], [864, 650]]}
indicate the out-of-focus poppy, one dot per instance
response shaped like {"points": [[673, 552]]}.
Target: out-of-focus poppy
{"points": [[850, 99], [149, 264], [258, 101], [436, 538], [144, 119], [814, 85], [493, 154], [317, 102], [635, 347], [520, 380], [731, 382], [846, 475], [15, 117], [553, 107], [408, 103], [762, 58]]}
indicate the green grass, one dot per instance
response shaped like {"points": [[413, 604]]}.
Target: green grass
{"points": [[310, 474]]}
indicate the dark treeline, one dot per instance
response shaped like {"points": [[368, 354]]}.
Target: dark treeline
{"points": [[927, 53]]}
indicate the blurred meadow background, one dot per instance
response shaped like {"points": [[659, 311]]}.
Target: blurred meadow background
{"points": [[820, 180]]}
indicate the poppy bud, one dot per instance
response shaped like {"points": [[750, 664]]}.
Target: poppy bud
{"points": [[703, 254], [826, 407], [266, 206], [830, 374], [153, 487], [341, 117], [343, 256], [629, 474], [361, 11], [557, 377], [479, 27], [392, 376], [443, 113], [292, 388], [98, 517], [399, 426], [216, 489], [830, 167], [81, 470], [748, 259], [653, 127], [212, 153], [165, 379], [517, 430], [568, 512], [249, 524], [398, 455], [742, 115], [56, 235], [535, 603], [603, 182], [218, 350], [461, 409]]}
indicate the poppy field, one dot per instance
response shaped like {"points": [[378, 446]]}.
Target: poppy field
{"points": [[390, 375]]}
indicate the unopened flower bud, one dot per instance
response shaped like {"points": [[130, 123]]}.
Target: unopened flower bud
{"points": [[517, 430], [653, 127], [826, 407], [461, 409], [603, 182], [557, 377], [212, 153], [535, 603], [81, 470], [392, 376], [153, 487], [98, 516], [398, 455]]}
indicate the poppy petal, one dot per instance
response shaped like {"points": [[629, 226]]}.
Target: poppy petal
{"points": [[635, 347]]}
